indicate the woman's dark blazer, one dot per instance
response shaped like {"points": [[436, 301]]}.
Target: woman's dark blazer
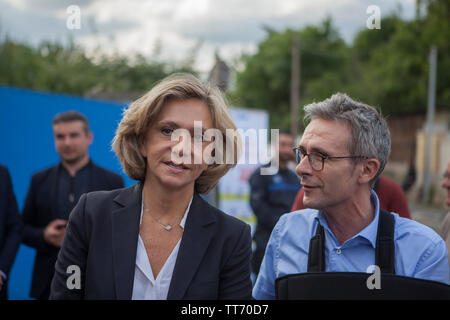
{"points": [[213, 260]]}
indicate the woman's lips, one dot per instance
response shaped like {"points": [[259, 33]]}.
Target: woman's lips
{"points": [[176, 168], [307, 187]]}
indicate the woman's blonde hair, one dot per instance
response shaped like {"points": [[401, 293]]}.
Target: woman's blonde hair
{"points": [[142, 113]]}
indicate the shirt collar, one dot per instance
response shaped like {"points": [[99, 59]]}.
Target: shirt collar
{"points": [[183, 220], [369, 232], [87, 165]]}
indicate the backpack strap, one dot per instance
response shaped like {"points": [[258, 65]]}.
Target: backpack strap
{"points": [[384, 251], [316, 254], [385, 247]]}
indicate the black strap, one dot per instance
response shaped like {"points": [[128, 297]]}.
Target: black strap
{"points": [[316, 255], [384, 251], [385, 247]]}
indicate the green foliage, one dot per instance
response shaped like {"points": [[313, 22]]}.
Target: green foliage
{"points": [[265, 82], [67, 69], [396, 64], [387, 68]]}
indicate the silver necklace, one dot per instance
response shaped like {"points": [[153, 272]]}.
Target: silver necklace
{"points": [[168, 227]]}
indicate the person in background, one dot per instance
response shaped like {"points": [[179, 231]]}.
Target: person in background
{"points": [[53, 193], [410, 176], [391, 196], [271, 196], [445, 226], [10, 229]]}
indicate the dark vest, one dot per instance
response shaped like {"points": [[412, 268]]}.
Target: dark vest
{"points": [[318, 284]]}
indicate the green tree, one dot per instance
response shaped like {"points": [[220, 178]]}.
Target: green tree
{"points": [[387, 68], [265, 81], [67, 69], [393, 62]]}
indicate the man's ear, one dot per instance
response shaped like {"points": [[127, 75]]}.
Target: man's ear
{"points": [[90, 137], [369, 170]]}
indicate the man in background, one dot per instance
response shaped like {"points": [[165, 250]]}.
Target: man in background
{"points": [[271, 196], [10, 229], [53, 193]]}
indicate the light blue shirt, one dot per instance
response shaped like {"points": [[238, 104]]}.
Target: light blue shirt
{"points": [[419, 251]]}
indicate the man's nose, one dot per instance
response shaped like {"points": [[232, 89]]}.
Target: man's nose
{"points": [[304, 167], [66, 140]]}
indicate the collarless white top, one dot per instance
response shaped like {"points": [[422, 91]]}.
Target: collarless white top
{"points": [[145, 286]]}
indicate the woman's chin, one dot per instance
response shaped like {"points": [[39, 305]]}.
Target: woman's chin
{"points": [[176, 185]]}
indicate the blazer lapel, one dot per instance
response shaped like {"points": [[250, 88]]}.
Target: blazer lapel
{"points": [[196, 237], [125, 233]]}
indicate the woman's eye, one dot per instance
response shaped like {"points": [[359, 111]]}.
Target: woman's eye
{"points": [[166, 131]]}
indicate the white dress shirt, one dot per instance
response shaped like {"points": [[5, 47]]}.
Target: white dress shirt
{"points": [[145, 286]]}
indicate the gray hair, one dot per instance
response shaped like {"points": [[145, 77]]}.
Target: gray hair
{"points": [[369, 130]]}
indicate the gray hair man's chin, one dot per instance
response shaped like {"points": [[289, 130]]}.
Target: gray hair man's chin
{"points": [[312, 205]]}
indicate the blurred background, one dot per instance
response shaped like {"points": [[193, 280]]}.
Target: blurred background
{"points": [[269, 57]]}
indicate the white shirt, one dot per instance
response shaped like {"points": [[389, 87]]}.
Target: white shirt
{"points": [[145, 286]]}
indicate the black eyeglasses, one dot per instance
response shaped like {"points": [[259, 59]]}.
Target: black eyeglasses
{"points": [[316, 160]]}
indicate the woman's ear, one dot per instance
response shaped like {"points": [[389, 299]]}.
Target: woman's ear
{"points": [[142, 148]]}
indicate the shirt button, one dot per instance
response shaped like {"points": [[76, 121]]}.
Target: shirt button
{"points": [[338, 251]]}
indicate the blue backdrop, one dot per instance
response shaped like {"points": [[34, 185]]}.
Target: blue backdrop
{"points": [[26, 146]]}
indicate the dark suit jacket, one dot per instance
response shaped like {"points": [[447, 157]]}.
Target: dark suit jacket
{"points": [[10, 224], [41, 208], [213, 260]]}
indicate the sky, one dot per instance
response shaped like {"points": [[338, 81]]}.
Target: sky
{"points": [[177, 27]]}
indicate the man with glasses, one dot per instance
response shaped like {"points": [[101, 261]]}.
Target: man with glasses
{"points": [[343, 150]]}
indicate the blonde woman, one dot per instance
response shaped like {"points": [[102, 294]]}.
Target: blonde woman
{"points": [[159, 239]]}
